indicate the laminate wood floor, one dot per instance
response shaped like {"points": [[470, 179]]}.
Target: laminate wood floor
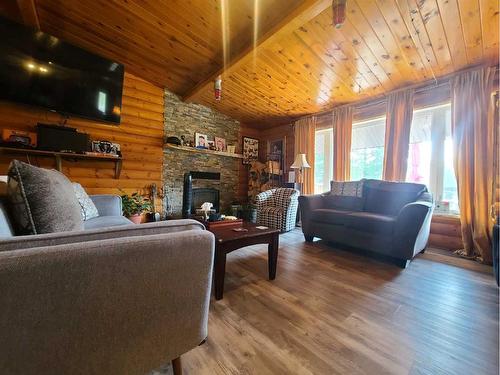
{"points": [[335, 312]]}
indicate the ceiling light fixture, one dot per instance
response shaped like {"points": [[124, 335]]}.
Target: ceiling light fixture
{"points": [[338, 8]]}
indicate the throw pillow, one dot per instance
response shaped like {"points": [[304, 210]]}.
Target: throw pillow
{"points": [[41, 200], [347, 188], [87, 206], [345, 195]]}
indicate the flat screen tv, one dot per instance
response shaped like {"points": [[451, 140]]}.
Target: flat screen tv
{"points": [[41, 70]]}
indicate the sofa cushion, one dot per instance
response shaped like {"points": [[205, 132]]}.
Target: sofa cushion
{"points": [[370, 222], [343, 202], [387, 198], [106, 221], [329, 216], [87, 206], [41, 200]]}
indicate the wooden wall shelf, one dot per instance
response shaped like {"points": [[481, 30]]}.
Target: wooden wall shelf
{"points": [[60, 156], [203, 151]]}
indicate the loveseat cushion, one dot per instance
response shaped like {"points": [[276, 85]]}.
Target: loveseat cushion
{"points": [[370, 222], [106, 221], [387, 198], [41, 200], [329, 216]]}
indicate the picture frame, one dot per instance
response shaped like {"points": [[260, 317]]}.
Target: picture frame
{"points": [[276, 151], [200, 140], [250, 150], [220, 144]]}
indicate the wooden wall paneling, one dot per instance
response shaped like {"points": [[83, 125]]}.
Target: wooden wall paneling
{"points": [[140, 135], [445, 233]]}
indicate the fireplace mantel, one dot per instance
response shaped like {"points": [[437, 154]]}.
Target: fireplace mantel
{"points": [[203, 151]]}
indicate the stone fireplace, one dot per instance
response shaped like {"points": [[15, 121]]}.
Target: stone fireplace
{"points": [[186, 119]]}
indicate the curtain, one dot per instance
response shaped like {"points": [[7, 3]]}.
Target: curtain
{"points": [[342, 132], [305, 134], [473, 134], [397, 134]]}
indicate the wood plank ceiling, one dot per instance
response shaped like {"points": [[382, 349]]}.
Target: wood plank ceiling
{"points": [[301, 64]]}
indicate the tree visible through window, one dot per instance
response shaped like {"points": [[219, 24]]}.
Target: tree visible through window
{"points": [[367, 149]]}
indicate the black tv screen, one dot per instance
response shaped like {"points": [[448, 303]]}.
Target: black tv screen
{"points": [[39, 69]]}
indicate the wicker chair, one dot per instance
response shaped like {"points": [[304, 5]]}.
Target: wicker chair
{"points": [[277, 208]]}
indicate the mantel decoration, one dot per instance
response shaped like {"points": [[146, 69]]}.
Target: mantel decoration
{"points": [[250, 150]]}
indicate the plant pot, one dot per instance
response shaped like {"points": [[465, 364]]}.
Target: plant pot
{"points": [[136, 219]]}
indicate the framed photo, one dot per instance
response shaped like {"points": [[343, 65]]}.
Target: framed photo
{"points": [[200, 140], [250, 150], [276, 150], [220, 144]]}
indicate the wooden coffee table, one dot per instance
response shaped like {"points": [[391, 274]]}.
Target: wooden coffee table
{"points": [[227, 240]]}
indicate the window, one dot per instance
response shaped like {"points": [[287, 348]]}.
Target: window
{"points": [[430, 157], [367, 149], [323, 160]]}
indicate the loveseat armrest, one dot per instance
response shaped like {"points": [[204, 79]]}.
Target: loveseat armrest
{"points": [[124, 305], [412, 228], [108, 205], [132, 230], [308, 203]]}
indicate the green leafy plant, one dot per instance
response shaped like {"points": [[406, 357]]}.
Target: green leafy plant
{"points": [[135, 204]]}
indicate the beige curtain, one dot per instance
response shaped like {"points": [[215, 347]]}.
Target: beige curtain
{"points": [[397, 134], [305, 134], [342, 132], [472, 132]]}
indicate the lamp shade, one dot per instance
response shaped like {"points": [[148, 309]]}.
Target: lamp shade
{"points": [[300, 162]]}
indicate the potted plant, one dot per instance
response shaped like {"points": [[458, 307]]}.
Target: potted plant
{"points": [[134, 206], [248, 212]]}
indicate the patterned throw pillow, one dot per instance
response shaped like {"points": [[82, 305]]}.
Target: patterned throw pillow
{"points": [[347, 188], [88, 208], [41, 200]]}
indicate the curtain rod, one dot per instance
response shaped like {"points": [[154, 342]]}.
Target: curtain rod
{"points": [[419, 87]]}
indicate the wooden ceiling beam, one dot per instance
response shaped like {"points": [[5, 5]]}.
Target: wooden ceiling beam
{"points": [[301, 14], [28, 13]]}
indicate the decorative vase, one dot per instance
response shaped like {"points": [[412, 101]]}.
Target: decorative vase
{"points": [[136, 219]]}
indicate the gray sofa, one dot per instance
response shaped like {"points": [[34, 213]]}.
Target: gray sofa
{"points": [[112, 299], [392, 219]]}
